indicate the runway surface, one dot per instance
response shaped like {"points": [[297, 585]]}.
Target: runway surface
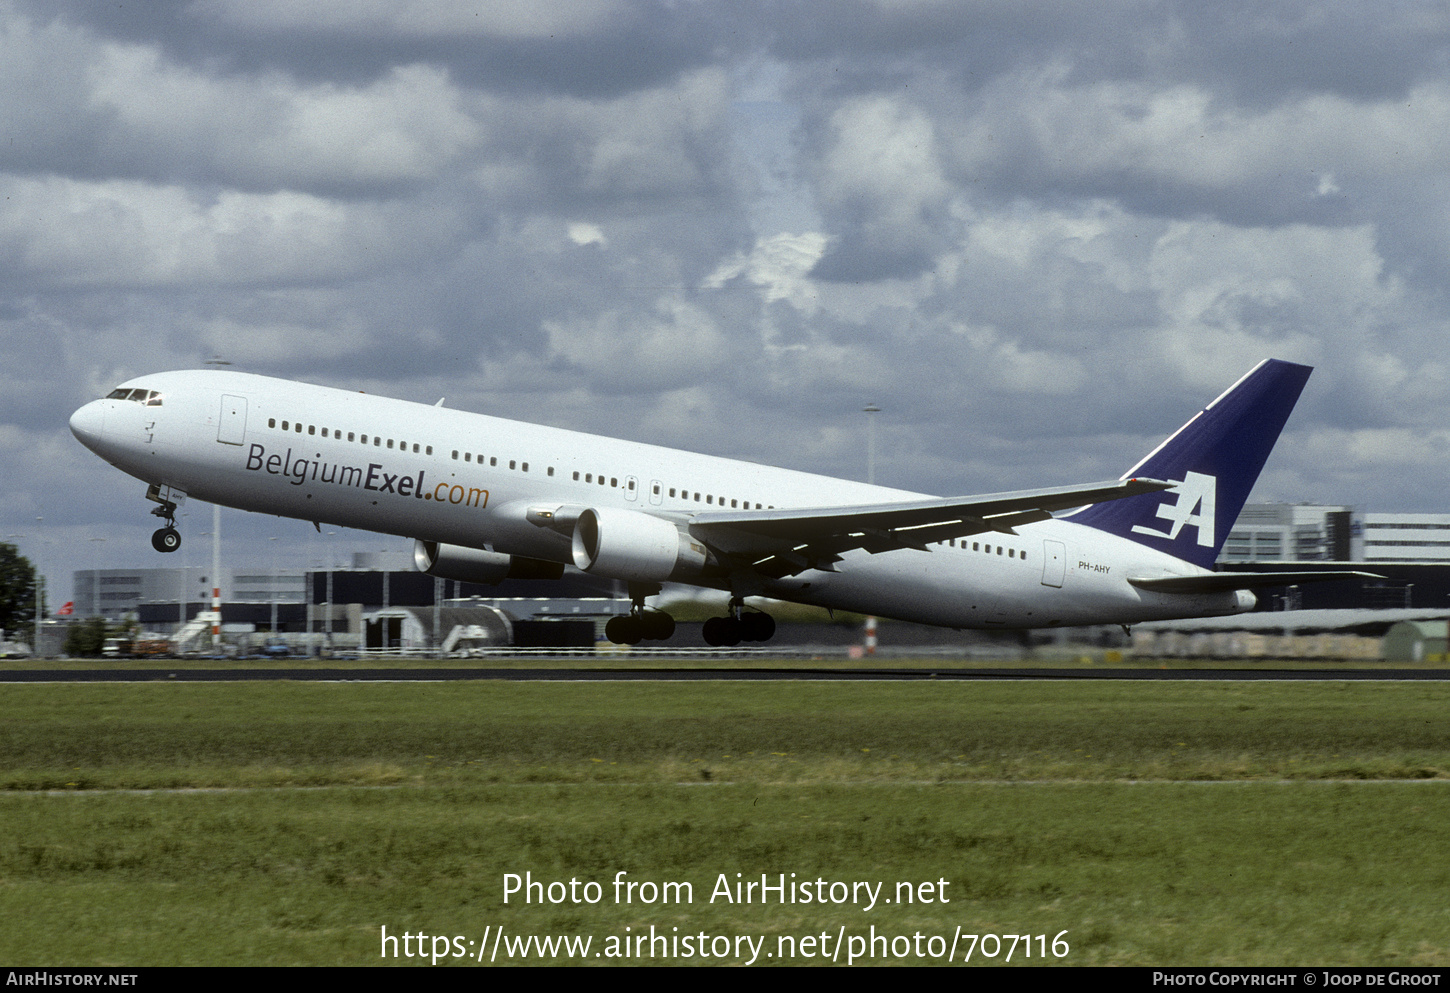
{"points": [[577, 673]]}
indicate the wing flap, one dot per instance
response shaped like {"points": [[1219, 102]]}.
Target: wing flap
{"points": [[785, 542]]}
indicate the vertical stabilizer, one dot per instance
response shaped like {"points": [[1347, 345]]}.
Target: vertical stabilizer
{"points": [[1215, 459]]}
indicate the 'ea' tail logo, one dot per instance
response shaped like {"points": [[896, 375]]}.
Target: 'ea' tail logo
{"points": [[1195, 507]]}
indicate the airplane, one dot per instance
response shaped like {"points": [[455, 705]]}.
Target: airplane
{"points": [[487, 499]]}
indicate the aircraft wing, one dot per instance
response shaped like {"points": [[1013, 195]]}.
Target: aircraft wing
{"points": [[1219, 582], [785, 542]]}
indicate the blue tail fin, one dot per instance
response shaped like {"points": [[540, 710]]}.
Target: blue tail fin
{"points": [[1215, 458]]}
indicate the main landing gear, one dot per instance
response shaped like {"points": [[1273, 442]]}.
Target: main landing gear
{"points": [[641, 623], [651, 624], [738, 626]]}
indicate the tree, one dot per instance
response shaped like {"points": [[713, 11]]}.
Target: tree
{"points": [[86, 638], [17, 590]]}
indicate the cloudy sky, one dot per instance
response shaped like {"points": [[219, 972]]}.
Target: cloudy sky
{"points": [[1037, 235]]}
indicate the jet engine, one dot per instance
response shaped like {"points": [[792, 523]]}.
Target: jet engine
{"points": [[625, 544], [475, 565]]}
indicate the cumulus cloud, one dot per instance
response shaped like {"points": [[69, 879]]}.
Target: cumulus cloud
{"points": [[67, 234], [880, 183], [421, 18]]}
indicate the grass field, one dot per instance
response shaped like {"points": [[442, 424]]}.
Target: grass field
{"points": [[1154, 823]]}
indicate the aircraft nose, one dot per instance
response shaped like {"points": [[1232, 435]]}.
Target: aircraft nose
{"points": [[89, 424]]}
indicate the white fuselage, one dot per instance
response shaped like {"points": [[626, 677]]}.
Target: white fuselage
{"points": [[297, 450]]}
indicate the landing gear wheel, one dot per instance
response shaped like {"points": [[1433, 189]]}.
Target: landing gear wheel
{"points": [[166, 540], [641, 623], [658, 625], [624, 630], [721, 632], [756, 626]]}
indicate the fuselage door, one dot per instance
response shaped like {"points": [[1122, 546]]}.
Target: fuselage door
{"points": [[1054, 555], [232, 422], [656, 492], [631, 488]]}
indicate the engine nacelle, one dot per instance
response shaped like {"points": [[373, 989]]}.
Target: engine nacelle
{"points": [[475, 565], [626, 544]]}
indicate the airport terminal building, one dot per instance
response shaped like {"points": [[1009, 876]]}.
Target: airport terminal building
{"points": [[1287, 532]]}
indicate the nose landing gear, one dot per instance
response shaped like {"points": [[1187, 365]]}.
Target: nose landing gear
{"points": [[166, 539]]}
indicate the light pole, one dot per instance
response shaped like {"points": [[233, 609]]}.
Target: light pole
{"points": [[327, 624], [216, 578], [181, 586], [273, 542], [870, 409], [96, 582], [39, 589]]}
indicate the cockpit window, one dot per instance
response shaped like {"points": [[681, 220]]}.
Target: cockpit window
{"points": [[150, 398]]}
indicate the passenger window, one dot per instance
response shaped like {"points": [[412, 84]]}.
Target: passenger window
{"points": [[523, 466], [468, 456], [576, 475], [312, 429], [298, 427], [271, 422]]}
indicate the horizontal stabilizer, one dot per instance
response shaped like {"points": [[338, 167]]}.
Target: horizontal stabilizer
{"points": [[1219, 582]]}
